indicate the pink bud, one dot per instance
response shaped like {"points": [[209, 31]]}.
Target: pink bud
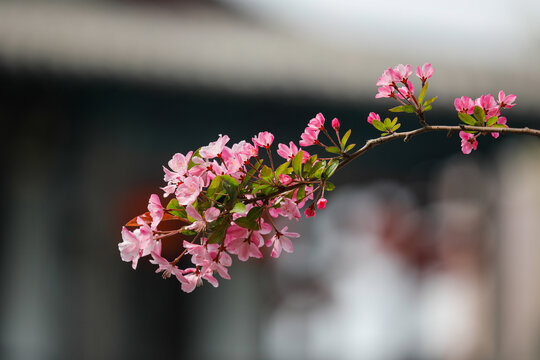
{"points": [[310, 211], [321, 204], [373, 116], [335, 124]]}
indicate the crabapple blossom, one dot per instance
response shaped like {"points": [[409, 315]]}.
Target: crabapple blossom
{"points": [[464, 105], [468, 142], [425, 72], [229, 203], [506, 101]]}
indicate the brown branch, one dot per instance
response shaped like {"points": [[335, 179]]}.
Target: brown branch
{"points": [[408, 134]]}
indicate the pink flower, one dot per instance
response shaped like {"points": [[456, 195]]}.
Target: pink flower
{"points": [[317, 123], [238, 241], [488, 103], [425, 72], [405, 91], [501, 120], [289, 152], [156, 210], [264, 139], [387, 78], [506, 101], [288, 209], [309, 137], [402, 72], [281, 240], [373, 116], [284, 179], [335, 124], [167, 268], [189, 190], [129, 247], [179, 166], [464, 105], [468, 142], [214, 148], [385, 91], [211, 214], [321, 203]]}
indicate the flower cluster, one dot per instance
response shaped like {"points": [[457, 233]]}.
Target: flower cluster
{"points": [[485, 111], [227, 203]]}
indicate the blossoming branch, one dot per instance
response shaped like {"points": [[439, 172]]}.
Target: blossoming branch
{"points": [[227, 199]]}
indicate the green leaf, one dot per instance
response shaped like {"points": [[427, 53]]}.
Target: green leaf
{"points": [[251, 172], [230, 185], [387, 123], [177, 210], [430, 101], [195, 154], [345, 138], [221, 230], [246, 223], [281, 168], [301, 193], [239, 208], [479, 114], [378, 125], [328, 186], [318, 166], [267, 174], [349, 147], [403, 108], [466, 118], [333, 150], [297, 163], [214, 187], [255, 213], [397, 126], [423, 93], [492, 120], [331, 168], [427, 108]]}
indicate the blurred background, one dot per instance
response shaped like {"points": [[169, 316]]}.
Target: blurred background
{"points": [[422, 253]]}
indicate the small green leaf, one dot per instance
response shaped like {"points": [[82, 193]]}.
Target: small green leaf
{"points": [[397, 126], [316, 167], [297, 163], [255, 213], [333, 150], [387, 123], [331, 168], [239, 208], [246, 223], [176, 209], [328, 186], [251, 172], [266, 174], [281, 169], [345, 138], [466, 118], [492, 120], [378, 125], [219, 234], [195, 154], [423, 93], [479, 114], [430, 101], [214, 187], [427, 108], [301, 193], [349, 147], [403, 108], [230, 185]]}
